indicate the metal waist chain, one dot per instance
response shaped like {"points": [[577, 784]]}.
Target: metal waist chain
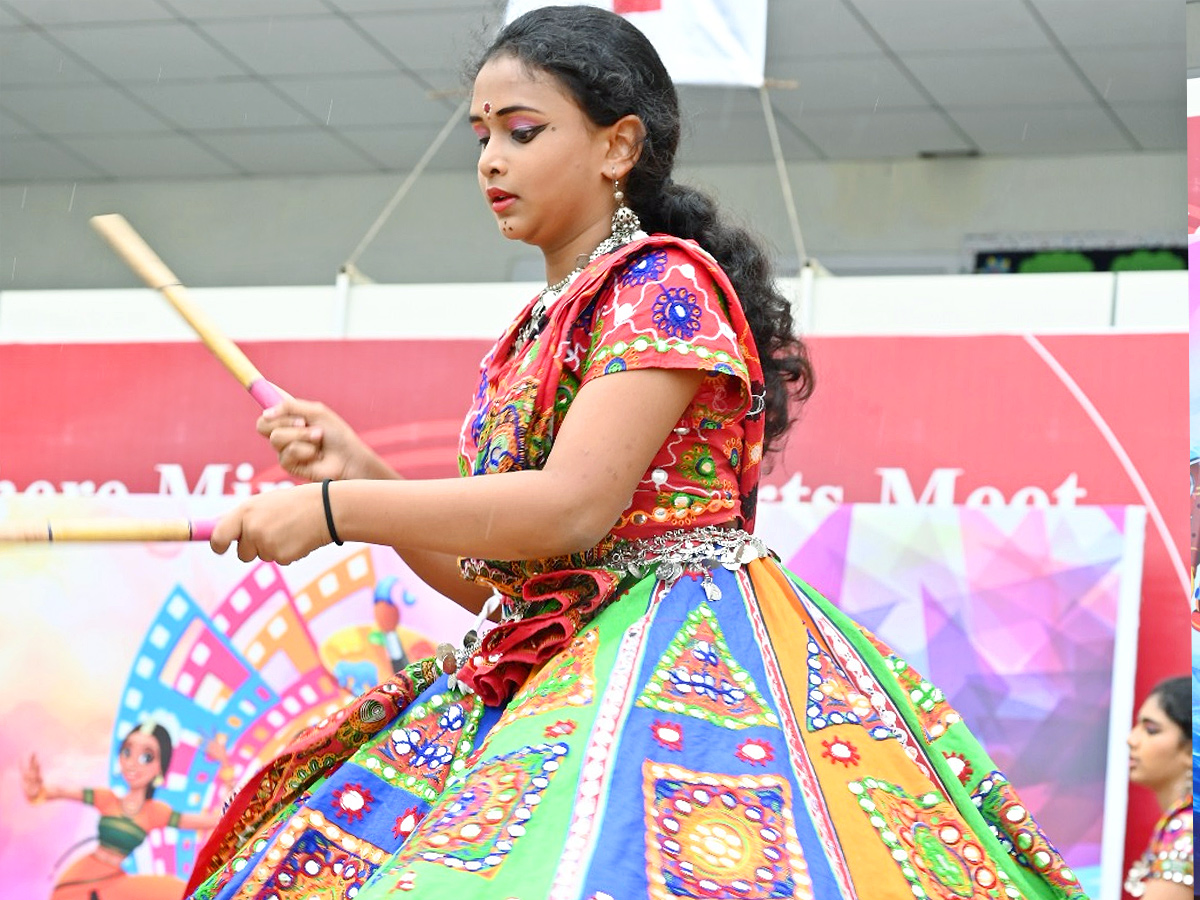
{"points": [[669, 555], [692, 549]]}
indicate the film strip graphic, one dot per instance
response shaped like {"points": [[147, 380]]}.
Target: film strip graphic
{"points": [[189, 678], [234, 685]]}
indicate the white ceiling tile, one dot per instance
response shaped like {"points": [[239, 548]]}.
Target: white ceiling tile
{"points": [[998, 79], [292, 46], [699, 100], [402, 148], [722, 141], [148, 52], [308, 151], [880, 135], [27, 58], [1114, 23], [436, 39], [76, 12], [714, 118], [738, 138], [956, 25], [1192, 36], [1122, 75], [227, 105], [862, 83], [319, 66], [35, 159], [812, 29], [389, 98], [11, 127], [1157, 127], [449, 86], [356, 7], [1041, 130], [81, 109], [205, 10], [169, 156]]}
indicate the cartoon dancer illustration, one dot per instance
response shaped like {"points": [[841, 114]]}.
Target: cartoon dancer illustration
{"points": [[125, 821]]}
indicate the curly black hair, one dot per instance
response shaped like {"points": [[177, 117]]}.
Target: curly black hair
{"points": [[612, 70]]}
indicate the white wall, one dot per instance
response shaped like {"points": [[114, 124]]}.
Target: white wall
{"points": [[897, 216], [946, 304]]}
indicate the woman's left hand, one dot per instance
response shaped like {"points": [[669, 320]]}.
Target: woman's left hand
{"points": [[281, 526]]}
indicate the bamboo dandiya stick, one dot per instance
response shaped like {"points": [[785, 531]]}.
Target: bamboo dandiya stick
{"points": [[130, 246], [105, 530]]}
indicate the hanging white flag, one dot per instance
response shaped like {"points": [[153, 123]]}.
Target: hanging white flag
{"points": [[700, 41]]}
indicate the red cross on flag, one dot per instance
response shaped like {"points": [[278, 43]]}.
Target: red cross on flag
{"points": [[700, 41]]}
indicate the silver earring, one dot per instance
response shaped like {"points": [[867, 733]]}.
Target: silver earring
{"points": [[625, 223]]}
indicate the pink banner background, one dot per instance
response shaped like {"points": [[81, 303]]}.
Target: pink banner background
{"points": [[1088, 419]]}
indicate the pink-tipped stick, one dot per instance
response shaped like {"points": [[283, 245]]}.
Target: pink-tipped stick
{"points": [[202, 529], [104, 530], [265, 393]]}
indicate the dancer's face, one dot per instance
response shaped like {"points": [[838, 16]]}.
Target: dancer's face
{"points": [[543, 167], [1159, 752], [139, 760]]}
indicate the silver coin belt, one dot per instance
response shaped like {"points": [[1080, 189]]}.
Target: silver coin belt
{"points": [[687, 550], [672, 552]]}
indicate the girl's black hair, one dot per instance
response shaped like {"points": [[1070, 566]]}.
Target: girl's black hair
{"points": [[1174, 695], [163, 738], [612, 70]]}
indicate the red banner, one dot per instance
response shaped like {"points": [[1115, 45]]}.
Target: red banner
{"points": [[1062, 420]]}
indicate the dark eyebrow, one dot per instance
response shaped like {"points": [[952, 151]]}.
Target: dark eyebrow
{"points": [[508, 110]]}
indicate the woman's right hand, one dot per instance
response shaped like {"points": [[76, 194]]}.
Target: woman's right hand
{"points": [[315, 443]]}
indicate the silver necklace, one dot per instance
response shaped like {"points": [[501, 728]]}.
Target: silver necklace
{"points": [[537, 314]]}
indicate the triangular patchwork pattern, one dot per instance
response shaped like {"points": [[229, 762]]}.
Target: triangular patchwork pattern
{"points": [[698, 677], [833, 698], [482, 816], [927, 700], [429, 743], [932, 845], [1021, 835]]}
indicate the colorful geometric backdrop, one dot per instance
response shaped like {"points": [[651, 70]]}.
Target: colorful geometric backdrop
{"points": [[1014, 613], [1014, 421]]}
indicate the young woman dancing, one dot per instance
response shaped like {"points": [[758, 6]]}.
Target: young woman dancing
{"points": [[662, 710]]}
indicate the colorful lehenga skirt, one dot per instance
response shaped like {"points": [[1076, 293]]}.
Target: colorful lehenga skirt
{"points": [[755, 744]]}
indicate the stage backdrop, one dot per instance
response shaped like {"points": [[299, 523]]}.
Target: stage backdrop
{"points": [[1021, 615], [920, 424]]}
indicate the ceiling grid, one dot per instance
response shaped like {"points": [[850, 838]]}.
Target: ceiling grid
{"points": [[185, 89]]}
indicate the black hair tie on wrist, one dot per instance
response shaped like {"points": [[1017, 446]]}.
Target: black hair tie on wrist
{"points": [[329, 512]]}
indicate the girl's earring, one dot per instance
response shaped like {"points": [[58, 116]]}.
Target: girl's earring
{"points": [[625, 223], [158, 781]]}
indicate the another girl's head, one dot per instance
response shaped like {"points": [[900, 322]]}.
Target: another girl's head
{"points": [[1160, 744], [612, 73], [145, 756]]}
